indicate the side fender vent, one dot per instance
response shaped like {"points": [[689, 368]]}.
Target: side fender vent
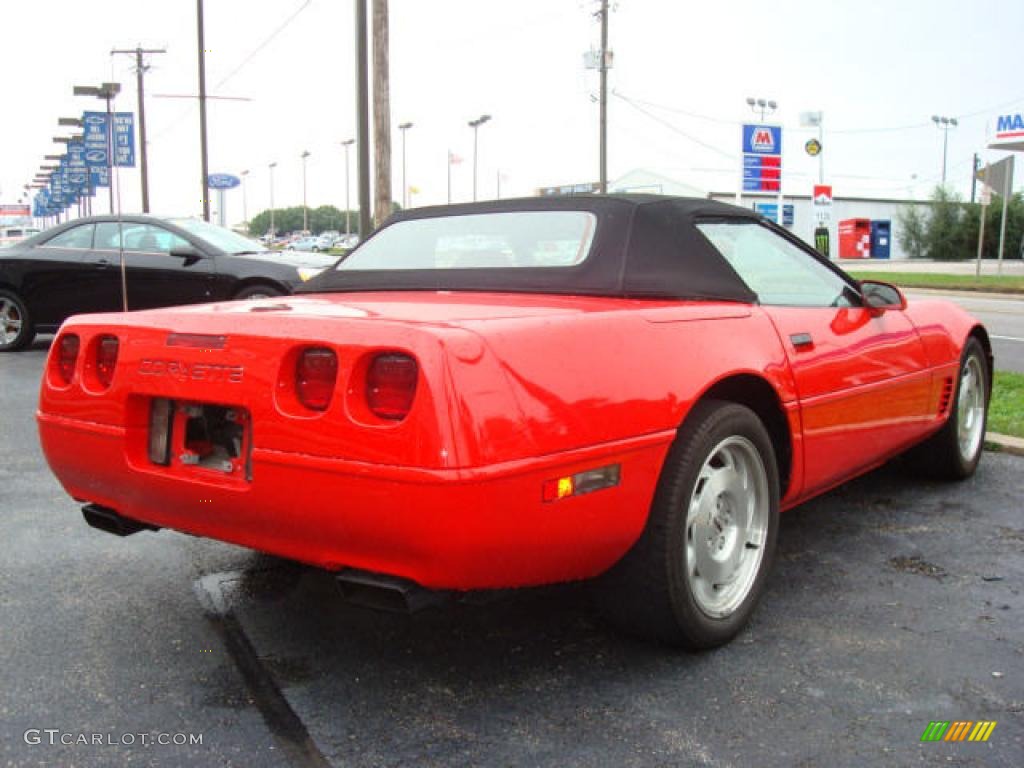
{"points": [[946, 396]]}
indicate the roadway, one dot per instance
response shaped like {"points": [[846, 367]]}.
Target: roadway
{"points": [[1003, 316]]}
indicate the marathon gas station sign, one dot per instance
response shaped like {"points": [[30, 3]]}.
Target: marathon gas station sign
{"points": [[1009, 132], [762, 158]]}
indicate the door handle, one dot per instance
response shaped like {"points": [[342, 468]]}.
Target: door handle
{"points": [[102, 264], [801, 340]]}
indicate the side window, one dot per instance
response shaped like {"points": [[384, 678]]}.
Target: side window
{"points": [[779, 272], [145, 238], [76, 237]]}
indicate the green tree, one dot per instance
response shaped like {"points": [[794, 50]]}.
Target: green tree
{"points": [[993, 220], [321, 219], [913, 231], [949, 230], [944, 240]]}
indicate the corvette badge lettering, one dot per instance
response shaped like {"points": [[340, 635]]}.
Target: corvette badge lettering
{"points": [[192, 371]]}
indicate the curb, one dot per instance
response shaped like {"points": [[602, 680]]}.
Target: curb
{"points": [[1006, 443]]}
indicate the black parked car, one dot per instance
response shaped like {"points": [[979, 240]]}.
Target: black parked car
{"points": [[75, 267]]}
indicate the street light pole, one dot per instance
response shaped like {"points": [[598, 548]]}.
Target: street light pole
{"points": [[106, 91], [271, 167], [475, 125], [767, 107], [762, 106], [305, 208], [944, 124], [405, 187], [245, 202], [348, 208]]}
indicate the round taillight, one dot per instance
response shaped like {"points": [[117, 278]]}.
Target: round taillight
{"points": [[106, 359], [67, 357], [391, 385], [316, 371]]}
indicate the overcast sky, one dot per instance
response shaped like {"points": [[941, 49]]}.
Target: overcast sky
{"points": [[682, 71]]}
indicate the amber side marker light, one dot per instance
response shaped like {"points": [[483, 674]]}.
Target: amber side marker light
{"points": [[67, 356], [581, 483], [316, 370], [106, 359]]}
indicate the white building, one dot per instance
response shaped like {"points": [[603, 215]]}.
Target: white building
{"points": [[803, 225]]}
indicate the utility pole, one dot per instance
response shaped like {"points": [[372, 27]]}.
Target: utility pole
{"points": [[140, 70], [603, 65], [381, 113], [204, 162], [363, 120]]}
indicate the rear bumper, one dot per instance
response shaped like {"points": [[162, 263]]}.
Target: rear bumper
{"points": [[474, 528]]}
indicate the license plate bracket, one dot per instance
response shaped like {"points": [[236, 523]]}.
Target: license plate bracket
{"points": [[205, 436]]}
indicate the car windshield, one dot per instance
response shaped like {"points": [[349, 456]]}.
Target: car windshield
{"points": [[219, 237], [478, 241]]}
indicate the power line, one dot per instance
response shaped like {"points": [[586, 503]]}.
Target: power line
{"points": [[832, 131], [674, 128], [277, 31], [241, 65]]}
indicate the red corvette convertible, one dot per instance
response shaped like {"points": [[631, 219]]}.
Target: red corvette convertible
{"points": [[523, 392]]}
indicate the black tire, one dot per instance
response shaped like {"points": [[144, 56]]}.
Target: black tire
{"points": [[259, 291], [942, 456], [651, 592], [16, 328]]}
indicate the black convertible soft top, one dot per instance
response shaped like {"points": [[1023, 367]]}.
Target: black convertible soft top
{"points": [[643, 246]]}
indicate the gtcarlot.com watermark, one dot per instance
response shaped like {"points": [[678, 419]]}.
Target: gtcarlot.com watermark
{"points": [[55, 736]]}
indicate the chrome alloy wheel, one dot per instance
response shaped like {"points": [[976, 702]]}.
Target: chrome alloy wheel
{"points": [[10, 321], [970, 407], [726, 527]]}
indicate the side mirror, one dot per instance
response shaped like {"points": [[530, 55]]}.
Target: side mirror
{"points": [[879, 296], [187, 252]]}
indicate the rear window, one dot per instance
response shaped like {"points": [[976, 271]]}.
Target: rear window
{"points": [[516, 239]]}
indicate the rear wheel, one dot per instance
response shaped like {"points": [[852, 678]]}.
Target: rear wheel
{"points": [[954, 451], [696, 573], [259, 291], [16, 329]]}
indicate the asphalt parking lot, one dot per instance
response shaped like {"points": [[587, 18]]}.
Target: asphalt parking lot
{"points": [[894, 602]]}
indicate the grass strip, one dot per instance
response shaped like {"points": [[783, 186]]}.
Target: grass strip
{"points": [[1006, 413], [990, 283]]}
